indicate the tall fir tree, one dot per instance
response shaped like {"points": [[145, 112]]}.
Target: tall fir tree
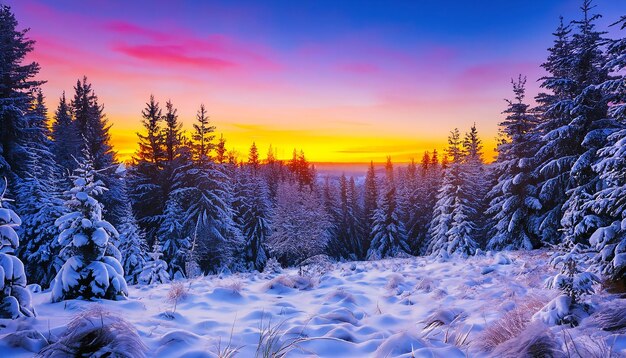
{"points": [[202, 136], [609, 240], [590, 127], [93, 127], [66, 141], [452, 229], [389, 237], [17, 89], [513, 200], [370, 203], [148, 177]]}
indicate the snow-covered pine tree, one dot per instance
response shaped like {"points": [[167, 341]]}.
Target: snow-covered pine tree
{"points": [[39, 203], [429, 177], [16, 96], [254, 211], [92, 269], [475, 179], [176, 244], [205, 194], [370, 204], [554, 155], [590, 125], [389, 237], [409, 203], [93, 128], [15, 300], [452, 229], [609, 240], [132, 244], [66, 140], [146, 179], [300, 225], [346, 239], [155, 270], [513, 199]]}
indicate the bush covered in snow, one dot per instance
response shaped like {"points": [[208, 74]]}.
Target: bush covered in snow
{"points": [[14, 297], [155, 269], [92, 269], [568, 308]]}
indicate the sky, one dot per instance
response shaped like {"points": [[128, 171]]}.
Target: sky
{"points": [[346, 81]]}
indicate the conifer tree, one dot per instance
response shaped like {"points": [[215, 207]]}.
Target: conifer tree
{"points": [[171, 132], [388, 233], [220, 150], [92, 269], [132, 244], [147, 178], [452, 229], [573, 128], [589, 126], [300, 225], [202, 136], [609, 240], [513, 200], [17, 86], [205, 194], [155, 271], [93, 127], [65, 137], [15, 299], [176, 244], [370, 198]]}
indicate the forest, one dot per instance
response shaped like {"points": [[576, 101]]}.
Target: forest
{"points": [[85, 225]]}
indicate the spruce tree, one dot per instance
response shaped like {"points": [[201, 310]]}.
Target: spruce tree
{"points": [[202, 136], [609, 240], [389, 237], [155, 271], [513, 200], [590, 125], [92, 269], [147, 175], [453, 230], [132, 244], [171, 132], [370, 205], [93, 127], [176, 244], [17, 86], [15, 299], [300, 225], [65, 138]]}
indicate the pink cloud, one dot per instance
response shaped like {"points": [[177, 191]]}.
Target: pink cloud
{"points": [[179, 46], [173, 55]]}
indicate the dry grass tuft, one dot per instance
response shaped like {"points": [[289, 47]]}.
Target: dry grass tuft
{"points": [[510, 325], [97, 332]]}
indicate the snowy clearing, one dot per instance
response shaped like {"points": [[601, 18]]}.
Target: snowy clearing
{"points": [[389, 308]]}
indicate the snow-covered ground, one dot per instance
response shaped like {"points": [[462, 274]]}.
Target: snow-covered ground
{"points": [[401, 307]]}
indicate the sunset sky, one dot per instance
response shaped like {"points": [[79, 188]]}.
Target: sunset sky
{"points": [[346, 81]]}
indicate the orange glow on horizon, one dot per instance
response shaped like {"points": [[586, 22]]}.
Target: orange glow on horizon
{"points": [[318, 147]]}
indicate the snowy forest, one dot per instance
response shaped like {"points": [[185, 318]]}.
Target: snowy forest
{"points": [[86, 226]]}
